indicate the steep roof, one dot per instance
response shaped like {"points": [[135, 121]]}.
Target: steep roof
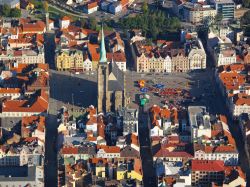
{"points": [[116, 78]]}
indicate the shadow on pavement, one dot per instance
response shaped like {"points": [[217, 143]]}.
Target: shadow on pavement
{"points": [[73, 90], [50, 166]]}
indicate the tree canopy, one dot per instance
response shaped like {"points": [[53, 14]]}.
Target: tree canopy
{"points": [[6, 11], [152, 23], [15, 13], [246, 3], [245, 19], [92, 23]]}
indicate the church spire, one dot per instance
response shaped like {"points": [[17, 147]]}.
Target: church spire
{"points": [[103, 57]]}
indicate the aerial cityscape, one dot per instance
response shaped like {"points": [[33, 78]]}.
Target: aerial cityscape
{"points": [[124, 93]]}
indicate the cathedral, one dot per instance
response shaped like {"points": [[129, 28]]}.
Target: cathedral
{"points": [[110, 82]]}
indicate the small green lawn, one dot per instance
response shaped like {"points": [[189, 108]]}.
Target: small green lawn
{"points": [[56, 14]]}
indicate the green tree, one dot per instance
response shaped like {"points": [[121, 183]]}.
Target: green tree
{"points": [[15, 12], [246, 3], [151, 23], [92, 23], [5, 10], [245, 19], [83, 22], [145, 7]]}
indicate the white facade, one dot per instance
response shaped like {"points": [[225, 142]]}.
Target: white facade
{"points": [[237, 110], [226, 60], [167, 64], [87, 65], [121, 65], [11, 95], [197, 57], [229, 158], [19, 114], [92, 128], [28, 57], [63, 24], [102, 154], [91, 10], [156, 131], [199, 122]]}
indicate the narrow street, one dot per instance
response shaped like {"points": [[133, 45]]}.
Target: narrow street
{"points": [[51, 124], [149, 177]]}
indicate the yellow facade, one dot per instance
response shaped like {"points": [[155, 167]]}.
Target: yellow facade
{"points": [[135, 175], [30, 6], [100, 171], [66, 61], [120, 175]]}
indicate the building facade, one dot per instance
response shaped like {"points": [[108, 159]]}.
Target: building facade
{"points": [[70, 60]]}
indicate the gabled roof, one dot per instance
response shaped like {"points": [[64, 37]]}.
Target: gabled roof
{"points": [[116, 78], [109, 149], [208, 165]]}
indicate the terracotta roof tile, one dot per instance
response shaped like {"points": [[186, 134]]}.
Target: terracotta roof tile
{"points": [[208, 165], [109, 149], [69, 150]]}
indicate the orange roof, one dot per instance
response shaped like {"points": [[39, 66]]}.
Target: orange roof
{"points": [[109, 149], [92, 5], [208, 165], [92, 120], [40, 120], [117, 56], [97, 160], [232, 80], [88, 31], [65, 18], [124, 2], [138, 166], [69, 150], [165, 113], [10, 90], [223, 119], [38, 26], [100, 127], [40, 105], [30, 139], [169, 180], [134, 139], [93, 50], [241, 99], [91, 138]]}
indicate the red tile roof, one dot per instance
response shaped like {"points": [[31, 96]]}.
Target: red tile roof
{"points": [[92, 5], [38, 26], [118, 56], [69, 150], [138, 166], [10, 90], [66, 18], [40, 105], [39, 120], [241, 99], [109, 149], [97, 160], [207, 165], [93, 50]]}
